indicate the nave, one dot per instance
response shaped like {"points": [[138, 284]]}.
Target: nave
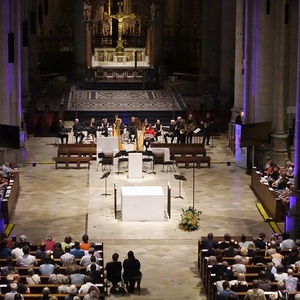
{"points": [[61, 202]]}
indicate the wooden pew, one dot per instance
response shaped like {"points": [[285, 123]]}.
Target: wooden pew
{"points": [[11, 197], [186, 153], [266, 196], [77, 150], [291, 295], [75, 154], [98, 246], [59, 296], [67, 160], [63, 270]]}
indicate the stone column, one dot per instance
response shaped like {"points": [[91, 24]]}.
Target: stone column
{"points": [[204, 47], [6, 70], [292, 220], [248, 59], [279, 136], [227, 49], [10, 73], [26, 96], [239, 62], [79, 36], [214, 46], [159, 34], [33, 58]]}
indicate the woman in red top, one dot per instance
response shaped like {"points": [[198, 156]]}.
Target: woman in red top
{"points": [[149, 136]]}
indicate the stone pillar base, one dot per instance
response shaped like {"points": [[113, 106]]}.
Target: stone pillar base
{"points": [[279, 147]]}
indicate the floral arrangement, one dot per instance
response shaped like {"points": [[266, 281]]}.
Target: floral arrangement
{"points": [[190, 219]]}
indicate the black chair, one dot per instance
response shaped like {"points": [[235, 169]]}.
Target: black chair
{"points": [[104, 161], [122, 157], [169, 164], [149, 158], [113, 275], [131, 279]]}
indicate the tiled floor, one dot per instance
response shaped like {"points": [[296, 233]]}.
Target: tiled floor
{"points": [[61, 202]]}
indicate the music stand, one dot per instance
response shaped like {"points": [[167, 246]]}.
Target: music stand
{"points": [[118, 155], [179, 178], [104, 176]]}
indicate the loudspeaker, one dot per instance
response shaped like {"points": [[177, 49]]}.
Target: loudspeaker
{"points": [[286, 14], [268, 7], [33, 22], [11, 48], [40, 14], [25, 33]]}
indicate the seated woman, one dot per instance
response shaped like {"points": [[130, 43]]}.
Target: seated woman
{"points": [[132, 273], [149, 136], [241, 285], [104, 127]]}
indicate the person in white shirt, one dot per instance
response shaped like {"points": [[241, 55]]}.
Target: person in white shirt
{"points": [[17, 251], [281, 275], [27, 259]]}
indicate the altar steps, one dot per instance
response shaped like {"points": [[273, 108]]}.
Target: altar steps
{"points": [[120, 84]]}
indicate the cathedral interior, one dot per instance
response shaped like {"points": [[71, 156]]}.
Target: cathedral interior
{"points": [[155, 59]]}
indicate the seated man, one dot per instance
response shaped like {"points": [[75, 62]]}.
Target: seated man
{"points": [[61, 132], [132, 273], [158, 129], [3, 184], [113, 270], [8, 170], [132, 130], [77, 130], [149, 136], [171, 132]]}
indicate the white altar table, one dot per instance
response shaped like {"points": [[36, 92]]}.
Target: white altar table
{"points": [[142, 203]]}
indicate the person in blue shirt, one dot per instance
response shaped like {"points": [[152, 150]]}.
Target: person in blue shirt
{"points": [[76, 251], [227, 292]]}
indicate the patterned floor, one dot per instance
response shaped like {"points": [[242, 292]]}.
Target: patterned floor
{"points": [[138, 100]]}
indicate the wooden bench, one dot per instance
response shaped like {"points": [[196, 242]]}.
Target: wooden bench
{"points": [[11, 197], [267, 197], [67, 160], [77, 150], [187, 159], [186, 153], [63, 270], [58, 296]]}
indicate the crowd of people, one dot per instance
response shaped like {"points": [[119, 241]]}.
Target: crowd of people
{"points": [[180, 130], [50, 257], [279, 178], [279, 261], [6, 170]]}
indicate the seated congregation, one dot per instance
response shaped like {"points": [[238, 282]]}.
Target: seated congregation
{"points": [[243, 266], [63, 270]]}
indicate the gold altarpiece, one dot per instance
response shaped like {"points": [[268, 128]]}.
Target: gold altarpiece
{"points": [[121, 57]]}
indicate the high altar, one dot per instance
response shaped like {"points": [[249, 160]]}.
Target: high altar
{"points": [[131, 56]]}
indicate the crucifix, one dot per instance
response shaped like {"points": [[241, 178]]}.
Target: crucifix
{"points": [[120, 17]]}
